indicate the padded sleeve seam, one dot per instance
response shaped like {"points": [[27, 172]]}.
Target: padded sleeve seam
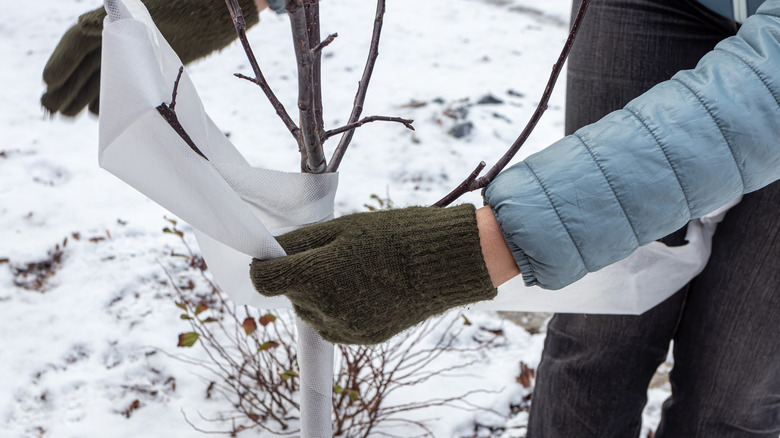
{"points": [[611, 187], [717, 123], [756, 72], [768, 15], [663, 151], [557, 213]]}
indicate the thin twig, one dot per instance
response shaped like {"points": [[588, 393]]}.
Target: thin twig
{"points": [[213, 432], [462, 187], [325, 43], [169, 114], [351, 126], [360, 97], [478, 183], [175, 91], [240, 25]]}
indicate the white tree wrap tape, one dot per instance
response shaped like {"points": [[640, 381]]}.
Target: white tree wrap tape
{"points": [[236, 209]]}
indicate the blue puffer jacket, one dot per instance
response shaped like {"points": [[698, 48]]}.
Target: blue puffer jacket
{"points": [[681, 150]]}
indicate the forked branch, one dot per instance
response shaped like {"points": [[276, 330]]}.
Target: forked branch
{"points": [[168, 112], [305, 23], [259, 79], [472, 183]]}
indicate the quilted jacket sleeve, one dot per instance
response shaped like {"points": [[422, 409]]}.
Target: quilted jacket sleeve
{"points": [[681, 150]]}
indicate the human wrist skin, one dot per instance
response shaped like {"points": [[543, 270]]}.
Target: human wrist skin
{"points": [[261, 4], [500, 263]]}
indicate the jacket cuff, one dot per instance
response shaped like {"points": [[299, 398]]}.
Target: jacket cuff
{"points": [[277, 6], [521, 258], [534, 232]]}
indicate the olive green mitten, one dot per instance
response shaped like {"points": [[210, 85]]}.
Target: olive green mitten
{"points": [[194, 28], [362, 278]]}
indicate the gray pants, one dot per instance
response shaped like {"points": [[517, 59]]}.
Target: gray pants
{"points": [[595, 369]]}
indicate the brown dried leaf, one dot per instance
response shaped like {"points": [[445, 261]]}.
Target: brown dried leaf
{"points": [[415, 104], [494, 332], [267, 319], [249, 325], [133, 406], [527, 374]]}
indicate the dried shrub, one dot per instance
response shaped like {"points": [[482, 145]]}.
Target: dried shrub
{"points": [[35, 275], [252, 362], [368, 375]]}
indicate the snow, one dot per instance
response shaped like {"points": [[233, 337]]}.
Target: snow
{"points": [[99, 332]]}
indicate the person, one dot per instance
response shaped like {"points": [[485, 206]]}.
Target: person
{"points": [[689, 145], [723, 323]]}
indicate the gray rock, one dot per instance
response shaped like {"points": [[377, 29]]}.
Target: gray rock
{"points": [[489, 99], [461, 129]]}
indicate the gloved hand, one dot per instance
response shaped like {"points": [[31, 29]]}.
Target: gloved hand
{"points": [[194, 28], [362, 278]]}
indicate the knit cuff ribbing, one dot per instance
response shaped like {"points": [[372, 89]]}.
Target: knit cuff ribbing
{"points": [[447, 252]]}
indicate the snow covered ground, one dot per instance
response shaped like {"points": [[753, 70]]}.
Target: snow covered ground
{"points": [[87, 313]]}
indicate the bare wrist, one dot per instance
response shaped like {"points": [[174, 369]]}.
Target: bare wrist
{"points": [[500, 263], [261, 4]]}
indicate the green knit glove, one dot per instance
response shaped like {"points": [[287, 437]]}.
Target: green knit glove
{"points": [[194, 28], [362, 278]]}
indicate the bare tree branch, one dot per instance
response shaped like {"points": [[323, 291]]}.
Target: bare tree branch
{"points": [[351, 126], [462, 187], [325, 43], [309, 137], [478, 183], [312, 9], [240, 24], [169, 114], [360, 97]]}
